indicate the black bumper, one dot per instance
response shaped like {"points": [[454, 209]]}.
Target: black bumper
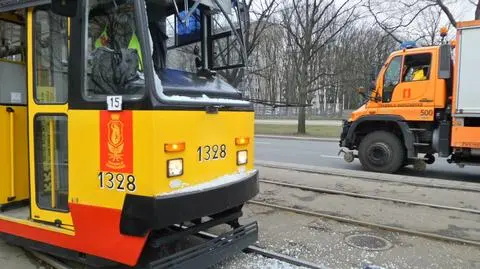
{"points": [[343, 137], [141, 214], [212, 251]]}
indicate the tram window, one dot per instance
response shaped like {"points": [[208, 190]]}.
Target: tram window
{"points": [[114, 57], [51, 162], [51, 57], [12, 68], [12, 41], [183, 58]]}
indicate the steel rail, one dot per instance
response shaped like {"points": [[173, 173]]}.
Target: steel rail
{"points": [[366, 196], [49, 260], [368, 224], [271, 254], [336, 172]]}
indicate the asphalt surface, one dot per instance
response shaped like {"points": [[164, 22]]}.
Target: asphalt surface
{"points": [[320, 153], [295, 122]]}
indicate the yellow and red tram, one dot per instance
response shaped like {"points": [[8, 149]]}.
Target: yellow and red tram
{"points": [[103, 147]]}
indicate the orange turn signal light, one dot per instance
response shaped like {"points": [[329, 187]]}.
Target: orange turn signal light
{"points": [[443, 31], [453, 44], [242, 141], [175, 147]]}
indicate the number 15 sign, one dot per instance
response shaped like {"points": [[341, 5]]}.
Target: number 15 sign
{"points": [[114, 103]]}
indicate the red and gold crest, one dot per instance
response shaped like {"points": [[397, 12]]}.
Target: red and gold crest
{"points": [[116, 143]]}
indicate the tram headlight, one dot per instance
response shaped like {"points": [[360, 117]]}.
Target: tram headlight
{"points": [[175, 167], [242, 157]]}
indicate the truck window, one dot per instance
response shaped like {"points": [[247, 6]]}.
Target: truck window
{"points": [[417, 67], [391, 78]]}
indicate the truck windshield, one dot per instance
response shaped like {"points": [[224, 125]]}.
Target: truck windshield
{"points": [[114, 63]]}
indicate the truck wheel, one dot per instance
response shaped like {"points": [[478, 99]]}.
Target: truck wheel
{"points": [[382, 152]]}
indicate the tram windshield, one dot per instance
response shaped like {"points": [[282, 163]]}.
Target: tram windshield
{"points": [[115, 63], [114, 58], [185, 37]]}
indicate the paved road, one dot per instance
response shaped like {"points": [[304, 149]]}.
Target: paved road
{"points": [[325, 154], [295, 122]]}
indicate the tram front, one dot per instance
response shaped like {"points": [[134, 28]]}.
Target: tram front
{"points": [[164, 146]]}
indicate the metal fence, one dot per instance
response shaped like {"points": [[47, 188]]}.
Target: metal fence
{"points": [[312, 113]]}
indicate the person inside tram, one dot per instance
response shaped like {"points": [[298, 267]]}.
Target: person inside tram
{"points": [[116, 64], [115, 56], [117, 51]]}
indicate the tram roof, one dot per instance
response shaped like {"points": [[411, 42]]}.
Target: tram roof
{"points": [[9, 5]]}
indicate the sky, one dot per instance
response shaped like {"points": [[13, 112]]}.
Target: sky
{"points": [[462, 9]]}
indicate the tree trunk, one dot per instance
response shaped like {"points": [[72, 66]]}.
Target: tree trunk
{"points": [[325, 108], [477, 11], [301, 120], [301, 112]]}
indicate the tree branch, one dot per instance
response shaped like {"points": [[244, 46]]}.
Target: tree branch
{"points": [[447, 12]]}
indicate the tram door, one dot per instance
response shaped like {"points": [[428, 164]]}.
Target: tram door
{"points": [[13, 110], [47, 116]]}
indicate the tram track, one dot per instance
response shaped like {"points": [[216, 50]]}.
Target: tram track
{"points": [[366, 223], [366, 196], [55, 263], [50, 261], [271, 254], [369, 224], [375, 177]]}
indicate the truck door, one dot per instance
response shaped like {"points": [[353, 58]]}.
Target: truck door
{"points": [[391, 78], [409, 87], [416, 82], [47, 116]]}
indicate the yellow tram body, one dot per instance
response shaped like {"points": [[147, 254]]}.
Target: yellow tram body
{"points": [[94, 183], [151, 131]]}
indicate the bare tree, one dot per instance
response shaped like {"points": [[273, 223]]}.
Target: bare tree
{"points": [[394, 16], [266, 62], [477, 10], [311, 25], [449, 14], [428, 27], [258, 14]]}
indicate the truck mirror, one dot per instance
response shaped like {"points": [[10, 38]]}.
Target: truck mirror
{"points": [[445, 61], [360, 90], [67, 8]]}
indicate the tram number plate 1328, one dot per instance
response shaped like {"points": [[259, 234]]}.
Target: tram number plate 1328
{"points": [[119, 182], [211, 152]]}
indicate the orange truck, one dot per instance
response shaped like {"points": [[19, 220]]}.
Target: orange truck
{"points": [[425, 102]]}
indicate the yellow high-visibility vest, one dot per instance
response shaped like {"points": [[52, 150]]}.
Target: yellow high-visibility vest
{"points": [[135, 44], [103, 39], [419, 75]]}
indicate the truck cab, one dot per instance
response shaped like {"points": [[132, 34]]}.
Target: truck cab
{"points": [[407, 85], [411, 113]]}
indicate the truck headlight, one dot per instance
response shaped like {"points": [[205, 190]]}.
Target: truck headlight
{"points": [[242, 157], [175, 167]]}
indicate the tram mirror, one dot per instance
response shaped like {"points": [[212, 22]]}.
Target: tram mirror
{"points": [[67, 8]]}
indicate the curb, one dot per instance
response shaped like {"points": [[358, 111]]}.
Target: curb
{"points": [[301, 138], [417, 181]]}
